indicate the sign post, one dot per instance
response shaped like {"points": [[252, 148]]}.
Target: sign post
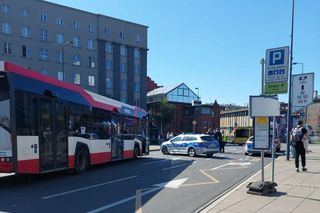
{"points": [[302, 91], [276, 70]]}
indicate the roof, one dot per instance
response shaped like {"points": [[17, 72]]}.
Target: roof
{"points": [[163, 90], [31, 81]]}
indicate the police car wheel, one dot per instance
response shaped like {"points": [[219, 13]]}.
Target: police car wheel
{"points": [[164, 150], [209, 155], [192, 152]]}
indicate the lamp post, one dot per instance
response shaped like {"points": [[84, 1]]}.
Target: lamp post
{"points": [[62, 53], [295, 63]]}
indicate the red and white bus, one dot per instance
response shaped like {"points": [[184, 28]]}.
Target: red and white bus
{"points": [[49, 125]]}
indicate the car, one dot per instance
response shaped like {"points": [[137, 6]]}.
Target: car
{"points": [[249, 150], [191, 144]]}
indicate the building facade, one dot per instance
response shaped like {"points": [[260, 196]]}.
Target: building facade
{"points": [[102, 54], [187, 117]]}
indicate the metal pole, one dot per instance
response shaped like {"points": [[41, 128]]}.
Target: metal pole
{"points": [[62, 57], [289, 118], [272, 147], [262, 165], [262, 76]]}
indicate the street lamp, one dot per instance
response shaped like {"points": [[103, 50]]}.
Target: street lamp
{"points": [[295, 63], [68, 43]]}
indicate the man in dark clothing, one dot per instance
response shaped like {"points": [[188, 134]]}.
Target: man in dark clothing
{"points": [[218, 137], [298, 135]]}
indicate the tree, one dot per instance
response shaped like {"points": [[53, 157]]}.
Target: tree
{"points": [[165, 112]]}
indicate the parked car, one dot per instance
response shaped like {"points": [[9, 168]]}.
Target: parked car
{"points": [[249, 150], [191, 144]]}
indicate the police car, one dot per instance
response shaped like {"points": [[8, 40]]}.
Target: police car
{"points": [[191, 144], [249, 150]]}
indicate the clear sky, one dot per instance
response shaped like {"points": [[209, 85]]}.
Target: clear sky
{"points": [[217, 45]]}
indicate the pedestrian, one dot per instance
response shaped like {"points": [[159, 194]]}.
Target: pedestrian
{"points": [[224, 140], [218, 136], [299, 134]]}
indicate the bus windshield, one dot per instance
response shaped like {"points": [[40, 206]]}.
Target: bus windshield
{"points": [[4, 102]]}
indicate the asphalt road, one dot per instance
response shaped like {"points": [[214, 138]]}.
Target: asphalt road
{"points": [[154, 183]]}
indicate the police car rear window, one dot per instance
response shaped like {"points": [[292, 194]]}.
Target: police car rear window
{"points": [[206, 138]]}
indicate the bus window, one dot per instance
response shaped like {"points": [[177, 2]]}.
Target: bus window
{"points": [[4, 102]]}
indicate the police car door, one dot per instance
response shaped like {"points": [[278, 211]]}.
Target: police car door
{"points": [[175, 143]]}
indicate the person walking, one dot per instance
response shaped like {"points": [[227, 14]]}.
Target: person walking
{"points": [[299, 133], [218, 136], [224, 140]]}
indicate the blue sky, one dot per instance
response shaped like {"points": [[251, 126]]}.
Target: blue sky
{"points": [[217, 45]]}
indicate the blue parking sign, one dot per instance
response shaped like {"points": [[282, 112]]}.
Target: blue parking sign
{"points": [[276, 57]]}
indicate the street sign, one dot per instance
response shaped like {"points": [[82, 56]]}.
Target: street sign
{"points": [[276, 70], [194, 122], [302, 90], [261, 133]]}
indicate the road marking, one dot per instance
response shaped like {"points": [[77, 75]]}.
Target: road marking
{"points": [[88, 187], [173, 167], [242, 164], [6, 174], [138, 201], [170, 184], [204, 183]]}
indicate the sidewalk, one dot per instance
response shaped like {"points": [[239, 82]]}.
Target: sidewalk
{"points": [[296, 192]]}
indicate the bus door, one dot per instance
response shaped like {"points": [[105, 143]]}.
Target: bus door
{"points": [[116, 140], [52, 135]]}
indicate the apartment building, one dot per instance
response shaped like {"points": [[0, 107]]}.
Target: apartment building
{"points": [[102, 54]]}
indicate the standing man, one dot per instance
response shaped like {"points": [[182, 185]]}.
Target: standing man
{"points": [[218, 137], [224, 140], [298, 134]]}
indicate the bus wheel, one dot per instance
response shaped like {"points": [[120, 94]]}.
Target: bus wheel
{"points": [[136, 151], [81, 163], [192, 152]]}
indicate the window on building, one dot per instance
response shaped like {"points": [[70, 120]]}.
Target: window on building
{"points": [[6, 28], [76, 60], [123, 67], [122, 35], [60, 38], [136, 53], [123, 85], [43, 17], [123, 50], [91, 62], [106, 31], [5, 8], [43, 35], [59, 57], [43, 54], [109, 65], [76, 41], [109, 84], [7, 48], [25, 32], [138, 38], [91, 28], [25, 12], [123, 99], [137, 69], [60, 76], [109, 47], [76, 25], [137, 102], [91, 81], [59, 21], [90, 44], [44, 71], [76, 79], [137, 86], [26, 51]]}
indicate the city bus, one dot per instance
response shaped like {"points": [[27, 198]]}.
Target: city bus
{"points": [[241, 135], [48, 125]]}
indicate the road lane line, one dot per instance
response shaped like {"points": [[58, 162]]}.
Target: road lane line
{"points": [[88, 187], [138, 202], [209, 176], [173, 167], [123, 201]]}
